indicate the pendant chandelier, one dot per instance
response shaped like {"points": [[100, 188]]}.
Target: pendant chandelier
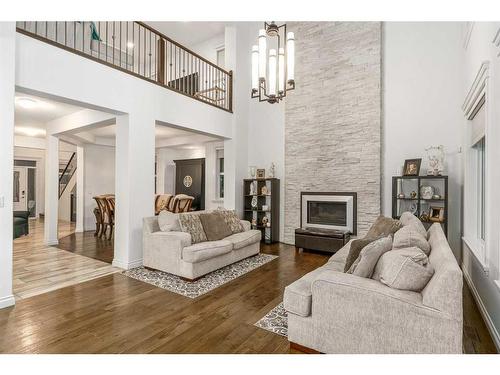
{"points": [[271, 79]]}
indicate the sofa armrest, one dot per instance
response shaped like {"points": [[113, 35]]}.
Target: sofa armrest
{"points": [[246, 225], [163, 250], [357, 315]]}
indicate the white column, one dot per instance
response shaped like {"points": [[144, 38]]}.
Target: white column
{"points": [[51, 190], [135, 153], [80, 181], [7, 84]]}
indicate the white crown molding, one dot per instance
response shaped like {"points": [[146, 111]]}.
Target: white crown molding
{"points": [[468, 32], [477, 89], [496, 41]]}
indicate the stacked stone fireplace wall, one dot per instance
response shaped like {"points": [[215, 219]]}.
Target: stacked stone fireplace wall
{"points": [[333, 118]]}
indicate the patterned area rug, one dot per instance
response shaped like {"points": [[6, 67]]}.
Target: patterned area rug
{"points": [[275, 321], [206, 283]]}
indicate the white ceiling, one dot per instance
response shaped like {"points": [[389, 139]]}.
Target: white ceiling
{"points": [[161, 132], [31, 121], [189, 33]]}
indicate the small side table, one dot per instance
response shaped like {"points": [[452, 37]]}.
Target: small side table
{"points": [[328, 240]]}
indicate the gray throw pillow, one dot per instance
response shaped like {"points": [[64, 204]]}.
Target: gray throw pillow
{"points": [[405, 269], [408, 218], [384, 226], [168, 221], [232, 220], [364, 265], [191, 223], [355, 249], [215, 226], [409, 236]]}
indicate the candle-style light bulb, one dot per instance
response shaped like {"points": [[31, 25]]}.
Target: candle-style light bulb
{"points": [[281, 70], [255, 68], [262, 54], [290, 57], [272, 73]]}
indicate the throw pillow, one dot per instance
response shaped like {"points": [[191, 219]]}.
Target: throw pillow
{"points": [[232, 220], [215, 226], [406, 269], [191, 223], [384, 226], [364, 265], [355, 249], [168, 221], [409, 236], [408, 218]]}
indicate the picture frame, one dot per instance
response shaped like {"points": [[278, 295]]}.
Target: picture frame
{"points": [[261, 173], [436, 214], [412, 167]]}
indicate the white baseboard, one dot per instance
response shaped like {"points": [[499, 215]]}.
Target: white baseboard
{"points": [[126, 265], [482, 309], [52, 242], [7, 301]]}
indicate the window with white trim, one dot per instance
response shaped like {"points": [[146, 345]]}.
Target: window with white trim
{"points": [[219, 173]]}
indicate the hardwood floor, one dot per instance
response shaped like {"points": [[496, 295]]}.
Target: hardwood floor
{"points": [[117, 314], [39, 268], [88, 245]]}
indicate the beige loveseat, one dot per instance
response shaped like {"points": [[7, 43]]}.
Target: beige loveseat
{"points": [[334, 312], [173, 252]]}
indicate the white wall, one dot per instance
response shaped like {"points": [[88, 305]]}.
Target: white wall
{"points": [[7, 84], [422, 85], [165, 183], [50, 71], [484, 279], [99, 172], [208, 48]]}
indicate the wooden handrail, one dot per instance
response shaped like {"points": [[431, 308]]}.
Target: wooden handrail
{"points": [[138, 49]]}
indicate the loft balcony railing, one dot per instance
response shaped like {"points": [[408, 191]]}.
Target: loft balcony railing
{"points": [[135, 48]]}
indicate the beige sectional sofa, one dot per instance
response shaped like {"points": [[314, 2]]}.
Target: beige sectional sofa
{"points": [[173, 252], [335, 312]]}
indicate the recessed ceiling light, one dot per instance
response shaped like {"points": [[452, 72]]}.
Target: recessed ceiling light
{"points": [[130, 45], [27, 103]]}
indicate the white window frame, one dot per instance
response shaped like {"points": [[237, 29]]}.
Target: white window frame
{"points": [[218, 173], [477, 97]]}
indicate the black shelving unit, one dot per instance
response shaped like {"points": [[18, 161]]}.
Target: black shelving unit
{"points": [[271, 233], [407, 184]]}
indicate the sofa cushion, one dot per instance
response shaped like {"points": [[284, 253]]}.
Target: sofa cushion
{"points": [[365, 264], [298, 295], [355, 249], [232, 220], [206, 250], [215, 226], [383, 226], [168, 221], [408, 218], [191, 223], [341, 255], [243, 239], [405, 269], [410, 236]]}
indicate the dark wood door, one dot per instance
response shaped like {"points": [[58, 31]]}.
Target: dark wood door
{"points": [[190, 180]]}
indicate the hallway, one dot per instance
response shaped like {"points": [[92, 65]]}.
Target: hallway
{"points": [[39, 268]]}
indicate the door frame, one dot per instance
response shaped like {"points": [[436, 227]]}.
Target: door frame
{"points": [[25, 208], [39, 195]]}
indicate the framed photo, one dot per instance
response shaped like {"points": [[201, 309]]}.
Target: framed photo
{"points": [[261, 173], [436, 214], [412, 167]]}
